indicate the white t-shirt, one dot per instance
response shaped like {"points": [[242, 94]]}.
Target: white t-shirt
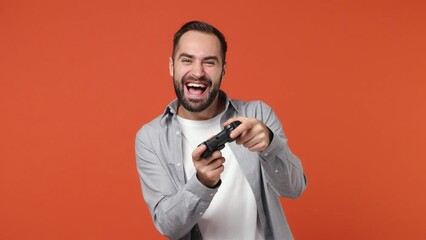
{"points": [[232, 214]]}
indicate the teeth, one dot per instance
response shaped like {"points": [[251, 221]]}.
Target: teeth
{"points": [[198, 85]]}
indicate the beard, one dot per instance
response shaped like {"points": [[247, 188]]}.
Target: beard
{"points": [[196, 105]]}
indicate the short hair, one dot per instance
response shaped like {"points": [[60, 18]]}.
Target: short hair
{"points": [[201, 27]]}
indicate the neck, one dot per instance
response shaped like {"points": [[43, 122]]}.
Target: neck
{"points": [[217, 106]]}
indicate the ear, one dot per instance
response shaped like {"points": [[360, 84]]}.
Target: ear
{"points": [[223, 71], [171, 66]]}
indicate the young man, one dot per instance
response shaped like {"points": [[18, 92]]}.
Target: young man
{"points": [[233, 193]]}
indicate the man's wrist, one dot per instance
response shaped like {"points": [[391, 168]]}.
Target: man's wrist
{"points": [[211, 186]]}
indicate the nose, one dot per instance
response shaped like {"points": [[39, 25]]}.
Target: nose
{"points": [[197, 70]]}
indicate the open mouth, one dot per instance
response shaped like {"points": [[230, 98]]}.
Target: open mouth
{"points": [[196, 89]]}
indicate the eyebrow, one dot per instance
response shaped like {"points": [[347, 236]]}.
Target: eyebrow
{"points": [[192, 56], [185, 55]]}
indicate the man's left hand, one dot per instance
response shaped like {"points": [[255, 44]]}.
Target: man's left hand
{"points": [[251, 133]]}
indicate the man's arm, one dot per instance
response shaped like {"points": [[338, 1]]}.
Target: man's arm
{"points": [[282, 168], [175, 209]]}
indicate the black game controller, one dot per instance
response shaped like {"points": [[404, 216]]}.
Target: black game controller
{"points": [[218, 142]]}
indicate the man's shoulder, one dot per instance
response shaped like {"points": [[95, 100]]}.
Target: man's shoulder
{"points": [[244, 103], [251, 108], [153, 125]]}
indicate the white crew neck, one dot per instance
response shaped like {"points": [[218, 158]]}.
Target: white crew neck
{"points": [[200, 123]]}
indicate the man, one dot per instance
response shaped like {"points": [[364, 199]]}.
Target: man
{"points": [[233, 193]]}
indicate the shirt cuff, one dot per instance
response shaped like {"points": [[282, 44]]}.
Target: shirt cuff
{"points": [[197, 188], [275, 147]]}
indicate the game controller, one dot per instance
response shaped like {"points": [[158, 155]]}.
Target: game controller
{"points": [[218, 142]]}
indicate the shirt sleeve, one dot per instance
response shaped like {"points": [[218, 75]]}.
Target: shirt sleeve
{"points": [[175, 209], [282, 168]]}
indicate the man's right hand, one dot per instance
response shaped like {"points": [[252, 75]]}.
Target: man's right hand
{"points": [[208, 169]]}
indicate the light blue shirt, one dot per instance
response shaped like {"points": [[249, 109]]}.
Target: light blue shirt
{"points": [[176, 204]]}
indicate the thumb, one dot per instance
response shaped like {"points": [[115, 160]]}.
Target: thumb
{"points": [[196, 154]]}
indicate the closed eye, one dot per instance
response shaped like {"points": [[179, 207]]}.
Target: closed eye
{"points": [[211, 60], [186, 60]]}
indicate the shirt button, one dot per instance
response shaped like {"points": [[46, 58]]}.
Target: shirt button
{"points": [[266, 154], [178, 164], [201, 213], [177, 133], [276, 170]]}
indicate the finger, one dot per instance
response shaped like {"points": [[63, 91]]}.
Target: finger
{"points": [[213, 156], [196, 154], [218, 170], [231, 120], [207, 169], [249, 142], [211, 177], [206, 161], [245, 125], [214, 166], [216, 154], [216, 163], [245, 137], [256, 145], [257, 131]]}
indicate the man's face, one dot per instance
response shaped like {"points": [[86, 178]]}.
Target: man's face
{"points": [[197, 70]]}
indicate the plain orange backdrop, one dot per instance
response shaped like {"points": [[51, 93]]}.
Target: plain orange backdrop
{"points": [[79, 78]]}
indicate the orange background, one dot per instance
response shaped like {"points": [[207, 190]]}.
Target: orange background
{"points": [[79, 78]]}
